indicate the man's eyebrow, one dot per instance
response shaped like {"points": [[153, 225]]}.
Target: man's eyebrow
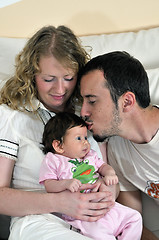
{"points": [[90, 95]]}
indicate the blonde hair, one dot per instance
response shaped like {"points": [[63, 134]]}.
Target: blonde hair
{"points": [[60, 42]]}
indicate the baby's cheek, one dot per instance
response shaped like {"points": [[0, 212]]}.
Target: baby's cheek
{"points": [[89, 146]]}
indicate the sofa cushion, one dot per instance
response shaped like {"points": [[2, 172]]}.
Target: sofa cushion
{"points": [[153, 75], [143, 45]]}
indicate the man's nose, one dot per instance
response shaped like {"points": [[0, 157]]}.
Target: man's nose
{"points": [[84, 111]]}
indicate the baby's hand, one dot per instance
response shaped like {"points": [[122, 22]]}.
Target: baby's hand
{"points": [[110, 179], [73, 185]]}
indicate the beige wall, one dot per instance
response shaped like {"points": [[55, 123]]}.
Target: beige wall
{"points": [[22, 19]]}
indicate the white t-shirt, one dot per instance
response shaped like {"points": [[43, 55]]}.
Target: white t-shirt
{"points": [[20, 140], [137, 165]]}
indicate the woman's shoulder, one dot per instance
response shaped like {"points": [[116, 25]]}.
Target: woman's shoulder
{"points": [[5, 110], [8, 113]]}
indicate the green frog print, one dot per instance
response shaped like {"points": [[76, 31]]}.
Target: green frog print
{"points": [[83, 171]]}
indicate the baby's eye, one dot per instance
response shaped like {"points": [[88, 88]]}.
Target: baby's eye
{"points": [[86, 138], [78, 138]]}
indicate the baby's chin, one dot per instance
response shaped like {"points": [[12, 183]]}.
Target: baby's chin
{"points": [[81, 156]]}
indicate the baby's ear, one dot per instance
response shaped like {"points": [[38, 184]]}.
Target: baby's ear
{"points": [[58, 147]]}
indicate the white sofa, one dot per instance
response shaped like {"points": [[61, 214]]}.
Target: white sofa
{"points": [[143, 45]]}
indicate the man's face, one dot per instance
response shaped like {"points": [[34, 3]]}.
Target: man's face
{"points": [[98, 109]]}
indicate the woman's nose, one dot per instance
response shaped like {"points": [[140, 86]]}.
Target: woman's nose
{"points": [[60, 88]]}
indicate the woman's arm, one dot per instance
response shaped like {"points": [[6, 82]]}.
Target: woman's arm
{"points": [[13, 202]]}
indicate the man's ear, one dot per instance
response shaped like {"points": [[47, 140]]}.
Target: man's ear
{"points": [[58, 147], [128, 101]]}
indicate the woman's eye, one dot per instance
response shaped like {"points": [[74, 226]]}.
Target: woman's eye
{"points": [[48, 80], [68, 79]]}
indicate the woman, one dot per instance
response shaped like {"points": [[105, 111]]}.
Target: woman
{"points": [[44, 83]]}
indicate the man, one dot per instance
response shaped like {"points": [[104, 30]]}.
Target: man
{"points": [[116, 106]]}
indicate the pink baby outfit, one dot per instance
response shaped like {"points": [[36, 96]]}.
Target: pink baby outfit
{"points": [[120, 222], [59, 167]]}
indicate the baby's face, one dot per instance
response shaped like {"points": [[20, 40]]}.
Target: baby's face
{"points": [[75, 144]]}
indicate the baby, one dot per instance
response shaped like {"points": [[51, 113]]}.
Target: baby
{"points": [[69, 162]]}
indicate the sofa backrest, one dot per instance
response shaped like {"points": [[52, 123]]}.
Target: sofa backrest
{"points": [[143, 45]]}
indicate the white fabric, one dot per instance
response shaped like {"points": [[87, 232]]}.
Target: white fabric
{"points": [[153, 75], [10, 47], [142, 44], [136, 165], [42, 227], [26, 132]]}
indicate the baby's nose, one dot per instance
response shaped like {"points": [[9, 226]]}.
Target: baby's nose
{"points": [[85, 141]]}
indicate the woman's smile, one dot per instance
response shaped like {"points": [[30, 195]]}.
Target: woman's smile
{"points": [[57, 97]]}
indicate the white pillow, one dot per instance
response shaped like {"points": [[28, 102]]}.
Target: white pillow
{"points": [[3, 78], [10, 47], [143, 45], [153, 75]]}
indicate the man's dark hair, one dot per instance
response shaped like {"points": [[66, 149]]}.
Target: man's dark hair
{"points": [[122, 73], [56, 128]]}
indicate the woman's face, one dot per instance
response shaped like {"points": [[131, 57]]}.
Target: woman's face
{"points": [[54, 83]]}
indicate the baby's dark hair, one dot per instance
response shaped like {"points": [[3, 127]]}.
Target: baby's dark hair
{"points": [[56, 128]]}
